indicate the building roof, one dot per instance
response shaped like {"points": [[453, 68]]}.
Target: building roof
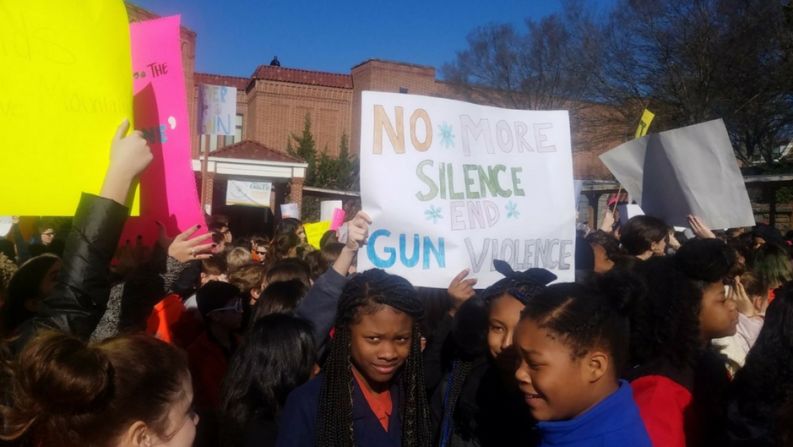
{"points": [[391, 62], [252, 150], [136, 14], [293, 75], [229, 81]]}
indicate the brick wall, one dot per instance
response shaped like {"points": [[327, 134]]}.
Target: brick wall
{"points": [[278, 109], [384, 76]]}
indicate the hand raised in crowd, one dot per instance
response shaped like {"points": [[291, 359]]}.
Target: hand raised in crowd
{"points": [[607, 225], [742, 301], [699, 228], [358, 231], [129, 156], [461, 289], [185, 249]]}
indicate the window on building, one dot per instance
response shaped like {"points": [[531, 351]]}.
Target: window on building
{"points": [[403, 89], [208, 141]]}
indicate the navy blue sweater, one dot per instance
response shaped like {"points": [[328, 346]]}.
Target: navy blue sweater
{"points": [[613, 421], [298, 424]]}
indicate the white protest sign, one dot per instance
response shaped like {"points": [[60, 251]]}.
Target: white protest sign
{"points": [[217, 109], [290, 210], [326, 208], [452, 185], [248, 193], [6, 222], [690, 170]]}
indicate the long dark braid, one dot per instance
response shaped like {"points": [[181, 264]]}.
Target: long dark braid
{"points": [[415, 411], [334, 425]]}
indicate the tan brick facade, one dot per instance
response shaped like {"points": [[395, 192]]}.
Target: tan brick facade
{"points": [[274, 101], [276, 110]]}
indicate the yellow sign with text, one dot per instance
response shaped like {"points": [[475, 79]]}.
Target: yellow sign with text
{"points": [[65, 86]]}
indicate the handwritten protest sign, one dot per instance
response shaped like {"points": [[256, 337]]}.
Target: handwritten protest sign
{"points": [[452, 185], [217, 108], [65, 87], [691, 170], [167, 187]]}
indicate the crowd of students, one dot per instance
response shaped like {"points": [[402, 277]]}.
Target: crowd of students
{"points": [[219, 340]]}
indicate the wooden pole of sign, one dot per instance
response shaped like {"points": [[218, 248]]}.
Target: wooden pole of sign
{"points": [[204, 173]]}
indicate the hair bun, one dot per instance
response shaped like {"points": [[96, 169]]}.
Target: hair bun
{"points": [[62, 375], [534, 275], [622, 288]]}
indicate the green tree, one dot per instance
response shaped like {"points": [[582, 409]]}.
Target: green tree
{"points": [[688, 61], [324, 171], [303, 147]]}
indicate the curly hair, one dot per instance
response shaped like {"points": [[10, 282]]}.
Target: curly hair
{"points": [[765, 383], [367, 292], [7, 270], [665, 323], [607, 241], [665, 320]]}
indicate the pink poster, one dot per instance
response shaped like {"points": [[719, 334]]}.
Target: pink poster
{"points": [[168, 187]]}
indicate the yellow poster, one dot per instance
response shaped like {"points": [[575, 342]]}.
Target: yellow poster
{"points": [[644, 124], [65, 86], [315, 231]]}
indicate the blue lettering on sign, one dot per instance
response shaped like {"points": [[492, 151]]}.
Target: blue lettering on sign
{"points": [[424, 248]]}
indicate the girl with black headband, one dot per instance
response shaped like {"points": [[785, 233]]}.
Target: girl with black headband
{"points": [[478, 402], [371, 389]]}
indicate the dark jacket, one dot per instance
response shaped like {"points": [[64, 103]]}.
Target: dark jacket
{"points": [[81, 295], [319, 305], [298, 423], [261, 431]]}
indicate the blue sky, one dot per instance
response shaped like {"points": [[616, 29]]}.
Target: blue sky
{"points": [[235, 36]]}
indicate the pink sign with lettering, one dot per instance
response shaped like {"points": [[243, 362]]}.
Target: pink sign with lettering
{"points": [[168, 192]]}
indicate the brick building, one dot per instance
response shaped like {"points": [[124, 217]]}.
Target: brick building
{"points": [[274, 101]]}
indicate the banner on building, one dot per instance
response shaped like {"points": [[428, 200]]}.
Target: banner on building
{"points": [[691, 170], [168, 192], [248, 193], [452, 185], [217, 109], [65, 87]]}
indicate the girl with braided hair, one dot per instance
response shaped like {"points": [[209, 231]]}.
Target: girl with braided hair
{"points": [[478, 402], [371, 390]]}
